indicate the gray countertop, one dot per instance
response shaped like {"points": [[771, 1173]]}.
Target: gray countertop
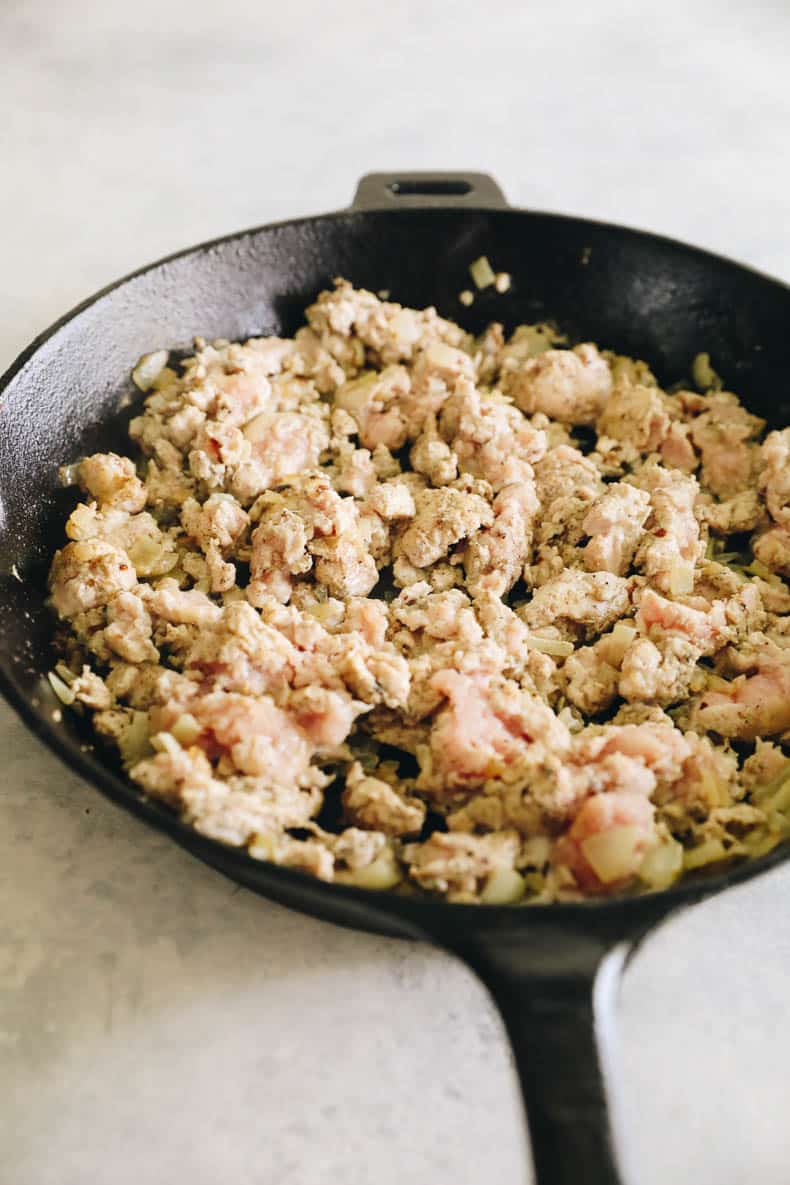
{"points": [[156, 1023]]}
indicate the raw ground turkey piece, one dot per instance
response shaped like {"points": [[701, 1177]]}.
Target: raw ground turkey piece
{"points": [[402, 607]]}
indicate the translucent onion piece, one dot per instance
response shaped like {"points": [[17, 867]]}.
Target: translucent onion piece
{"points": [[482, 272], [165, 742], [681, 578], [504, 886], [61, 689], [553, 646], [186, 729], [382, 873], [704, 375], [612, 854], [622, 637], [134, 742], [148, 369], [662, 865]]}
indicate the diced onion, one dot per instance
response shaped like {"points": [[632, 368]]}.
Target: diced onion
{"points": [[134, 742], [439, 355], [502, 282], [61, 689], [504, 886], [622, 637], [383, 873], [704, 375], [612, 854], [165, 742], [405, 329], [482, 272], [186, 729], [681, 578], [148, 369], [466, 297], [623, 633], [553, 646], [263, 847], [662, 865]]}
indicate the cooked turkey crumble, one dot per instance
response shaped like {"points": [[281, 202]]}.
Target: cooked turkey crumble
{"points": [[395, 605]]}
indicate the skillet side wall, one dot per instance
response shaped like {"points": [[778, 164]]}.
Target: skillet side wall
{"points": [[634, 292]]}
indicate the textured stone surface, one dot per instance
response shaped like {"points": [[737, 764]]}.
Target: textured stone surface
{"points": [[155, 1023]]}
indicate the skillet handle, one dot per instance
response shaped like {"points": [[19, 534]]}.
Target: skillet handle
{"points": [[393, 191], [557, 1007]]}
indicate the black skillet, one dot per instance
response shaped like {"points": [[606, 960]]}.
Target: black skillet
{"points": [[552, 970]]}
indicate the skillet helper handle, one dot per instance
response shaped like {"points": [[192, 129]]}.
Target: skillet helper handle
{"points": [[559, 1022], [394, 191]]}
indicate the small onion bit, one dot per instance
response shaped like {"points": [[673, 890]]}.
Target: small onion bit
{"points": [[552, 646], [482, 272], [148, 369]]}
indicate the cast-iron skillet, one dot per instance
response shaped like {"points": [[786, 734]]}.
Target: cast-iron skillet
{"points": [[551, 969]]}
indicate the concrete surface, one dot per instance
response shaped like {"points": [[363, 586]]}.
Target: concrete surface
{"points": [[156, 1024]]}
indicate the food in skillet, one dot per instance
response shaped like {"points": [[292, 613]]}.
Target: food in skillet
{"points": [[493, 617]]}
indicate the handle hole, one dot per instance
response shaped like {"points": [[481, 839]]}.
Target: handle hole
{"points": [[427, 188]]}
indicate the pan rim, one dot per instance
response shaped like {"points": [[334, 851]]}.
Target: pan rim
{"points": [[702, 253]]}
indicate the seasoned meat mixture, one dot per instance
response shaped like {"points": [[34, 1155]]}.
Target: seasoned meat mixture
{"points": [[496, 619]]}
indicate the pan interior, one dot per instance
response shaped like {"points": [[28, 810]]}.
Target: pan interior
{"points": [[641, 295]]}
